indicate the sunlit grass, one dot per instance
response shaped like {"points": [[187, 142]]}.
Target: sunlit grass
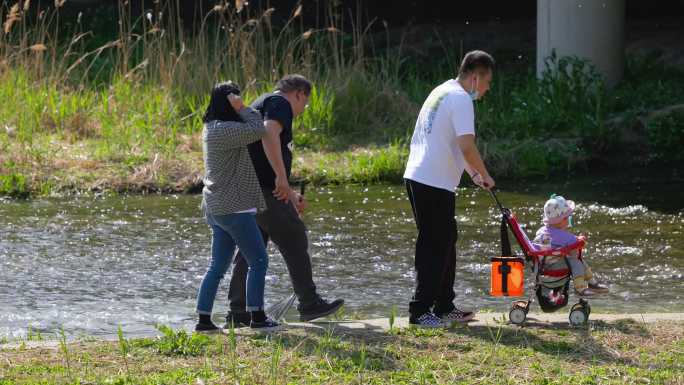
{"points": [[616, 352]]}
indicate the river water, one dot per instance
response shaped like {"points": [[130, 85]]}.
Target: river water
{"points": [[89, 264]]}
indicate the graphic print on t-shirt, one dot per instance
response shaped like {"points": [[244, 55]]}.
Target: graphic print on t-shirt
{"points": [[435, 158], [433, 102]]}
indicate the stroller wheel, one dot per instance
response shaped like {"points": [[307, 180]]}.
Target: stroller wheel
{"points": [[517, 315], [578, 316]]}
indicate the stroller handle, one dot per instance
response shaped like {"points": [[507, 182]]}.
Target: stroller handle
{"points": [[496, 199]]}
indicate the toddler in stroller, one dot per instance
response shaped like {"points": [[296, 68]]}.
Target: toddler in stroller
{"points": [[552, 264], [554, 235]]}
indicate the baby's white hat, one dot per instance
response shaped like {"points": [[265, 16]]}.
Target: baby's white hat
{"points": [[556, 209]]}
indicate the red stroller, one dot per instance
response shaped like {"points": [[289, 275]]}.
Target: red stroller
{"points": [[550, 284]]}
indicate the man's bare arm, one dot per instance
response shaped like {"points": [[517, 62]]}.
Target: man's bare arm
{"points": [[271, 143], [474, 160]]}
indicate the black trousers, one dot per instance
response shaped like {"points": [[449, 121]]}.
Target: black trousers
{"points": [[281, 224], [435, 258]]}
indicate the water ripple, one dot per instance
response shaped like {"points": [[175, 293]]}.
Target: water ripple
{"points": [[91, 263]]}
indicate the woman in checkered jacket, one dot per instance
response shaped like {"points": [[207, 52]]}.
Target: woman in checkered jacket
{"points": [[230, 199]]}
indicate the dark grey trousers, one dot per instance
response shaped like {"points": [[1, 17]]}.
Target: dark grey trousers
{"points": [[281, 224]]}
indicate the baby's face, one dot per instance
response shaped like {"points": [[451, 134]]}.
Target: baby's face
{"points": [[564, 224]]}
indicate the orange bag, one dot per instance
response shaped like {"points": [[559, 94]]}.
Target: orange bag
{"points": [[508, 276]]}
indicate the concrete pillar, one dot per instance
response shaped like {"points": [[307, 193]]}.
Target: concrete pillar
{"points": [[590, 29]]}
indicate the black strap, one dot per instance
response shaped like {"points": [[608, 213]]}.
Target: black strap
{"points": [[504, 269], [505, 242]]}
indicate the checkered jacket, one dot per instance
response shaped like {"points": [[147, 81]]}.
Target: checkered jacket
{"points": [[230, 182]]}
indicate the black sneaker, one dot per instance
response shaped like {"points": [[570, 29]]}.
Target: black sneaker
{"points": [[267, 325], [238, 319], [319, 309], [457, 315], [205, 328]]}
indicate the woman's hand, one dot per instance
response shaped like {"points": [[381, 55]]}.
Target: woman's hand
{"points": [[236, 102]]}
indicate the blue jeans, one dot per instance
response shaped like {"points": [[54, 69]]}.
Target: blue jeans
{"points": [[229, 231]]}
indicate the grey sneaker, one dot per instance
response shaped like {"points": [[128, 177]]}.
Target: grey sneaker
{"points": [[586, 292], [457, 315], [598, 288], [427, 320]]}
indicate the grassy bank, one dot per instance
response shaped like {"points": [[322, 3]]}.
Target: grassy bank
{"points": [[608, 353], [120, 110]]}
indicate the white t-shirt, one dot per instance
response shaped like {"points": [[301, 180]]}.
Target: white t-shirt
{"points": [[435, 158]]}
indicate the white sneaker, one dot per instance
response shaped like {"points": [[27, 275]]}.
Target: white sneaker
{"points": [[457, 315], [428, 320]]}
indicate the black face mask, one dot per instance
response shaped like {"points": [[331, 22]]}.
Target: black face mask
{"points": [[219, 107]]}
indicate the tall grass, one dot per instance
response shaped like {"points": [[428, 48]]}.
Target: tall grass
{"points": [[64, 349], [135, 102], [87, 110], [144, 89], [124, 347], [241, 44]]}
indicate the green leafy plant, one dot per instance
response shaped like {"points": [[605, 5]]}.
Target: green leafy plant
{"points": [[392, 317], [124, 347], [64, 348], [180, 343], [276, 355], [666, 137]]}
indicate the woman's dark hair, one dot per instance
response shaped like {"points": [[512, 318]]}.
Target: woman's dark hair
{"points": [[219, 107]]}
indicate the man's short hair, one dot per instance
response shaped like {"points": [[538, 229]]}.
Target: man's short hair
{"points": [[294, 82], [477, 60]]}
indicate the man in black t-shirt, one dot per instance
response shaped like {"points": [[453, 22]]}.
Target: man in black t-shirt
{"points": [[281, 222], [277, 111]]}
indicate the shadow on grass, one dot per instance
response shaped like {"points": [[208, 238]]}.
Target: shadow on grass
{"points": [[350, 349], [558, 339], [624, 326]]}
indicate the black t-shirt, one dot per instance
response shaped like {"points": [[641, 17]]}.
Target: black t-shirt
{"points": [[272, 107]]}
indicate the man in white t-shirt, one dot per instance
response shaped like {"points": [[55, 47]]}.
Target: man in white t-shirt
{"points": [[442, 147]]}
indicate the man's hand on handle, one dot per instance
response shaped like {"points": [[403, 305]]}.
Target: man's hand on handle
{"points": [[485, 182], [488, 182], [474, 164]]}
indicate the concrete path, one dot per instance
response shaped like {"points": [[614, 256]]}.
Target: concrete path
{"points": [[381, 325], [497, 319]]}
